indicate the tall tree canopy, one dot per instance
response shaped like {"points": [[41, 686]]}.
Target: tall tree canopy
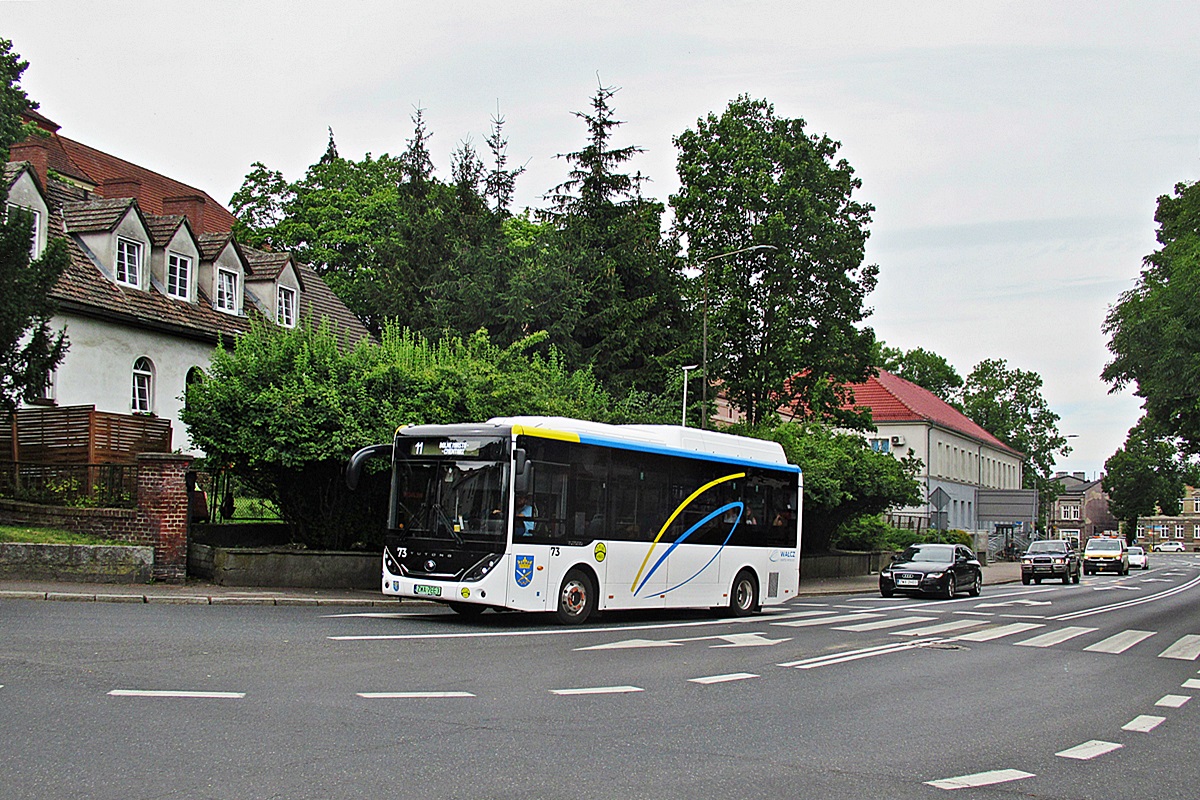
{"points": [[1154, 327], [29, 349], [1008, 403], [784, 324], [924, 368], [1143, 477]]}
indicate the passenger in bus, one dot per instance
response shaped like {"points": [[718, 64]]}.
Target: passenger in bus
{"points": [[526, 513]]}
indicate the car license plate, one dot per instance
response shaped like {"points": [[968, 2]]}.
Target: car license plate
{"points": [[428, 591], [907, 582]]}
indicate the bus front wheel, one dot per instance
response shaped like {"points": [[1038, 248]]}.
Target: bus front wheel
{"points": [[743, 598], [576, 598]]}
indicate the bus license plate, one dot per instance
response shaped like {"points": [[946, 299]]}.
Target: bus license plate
{"points": [[428, 591]]}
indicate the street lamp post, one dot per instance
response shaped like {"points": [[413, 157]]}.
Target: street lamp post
{"points": [[704, 334], [685, 372]]}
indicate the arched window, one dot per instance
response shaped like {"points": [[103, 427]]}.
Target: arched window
{"points": [[143, 386], [194, 375]]}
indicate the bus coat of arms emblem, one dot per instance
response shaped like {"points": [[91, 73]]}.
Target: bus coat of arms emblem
{"points": [[524, 570]]}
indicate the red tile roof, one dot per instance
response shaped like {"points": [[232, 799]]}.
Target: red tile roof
{"points": [[893, 399]]}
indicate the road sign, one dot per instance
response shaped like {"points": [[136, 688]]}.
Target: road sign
{"points": [[939, 498]]}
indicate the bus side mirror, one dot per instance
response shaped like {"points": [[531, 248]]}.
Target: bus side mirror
{"points": [[520, 470], [354, 467]]}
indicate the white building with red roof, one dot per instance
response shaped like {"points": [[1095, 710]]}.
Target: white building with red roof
{"points": [[971, 479], [155, 280]]}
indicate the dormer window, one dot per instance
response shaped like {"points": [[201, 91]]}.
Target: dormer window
{"points": [[285, 310], [227, 288], [129, 262], [179, 275]]}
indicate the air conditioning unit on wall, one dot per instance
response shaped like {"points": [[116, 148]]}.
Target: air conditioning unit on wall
{"points": [[897, 441]]}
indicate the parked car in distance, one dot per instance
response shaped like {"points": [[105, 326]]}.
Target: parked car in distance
{"points": [[1169, 547], [941, 569], [1104, 552], [1138, 558], [1050, 558]]}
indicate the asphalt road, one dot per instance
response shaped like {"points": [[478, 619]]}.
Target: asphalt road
{"points": [[1042, 691]]}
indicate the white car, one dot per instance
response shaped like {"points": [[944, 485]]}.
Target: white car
{"points": [[1138, 558], [1169, 547]]}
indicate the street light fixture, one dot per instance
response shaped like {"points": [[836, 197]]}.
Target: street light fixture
{"points": [[704, 335], [685, 372]]}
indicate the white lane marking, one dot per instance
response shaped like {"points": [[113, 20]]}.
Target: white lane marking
{"points": [[1120, 642], [1016, 603], [745, 640], [632, 644], [855, 655], [733, 676], [804, 623], [1187, 648], [1183, 587], [945, 627], [753, 639], [1089, 750], [1051, 638], [980, 779], [412, 695], [883, 624], [1190, 683], [1143, 723], [159, 693], [598, 690], [544, 631], [1173, 700], [988, 634]]}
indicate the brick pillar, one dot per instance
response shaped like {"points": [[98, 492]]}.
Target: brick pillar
{"points": [[163, 505]]}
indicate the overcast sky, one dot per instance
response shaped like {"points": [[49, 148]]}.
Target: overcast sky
{"points": [[1013, 151]]}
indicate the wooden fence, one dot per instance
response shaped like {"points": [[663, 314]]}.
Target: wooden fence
{"points": [[81, 435]]}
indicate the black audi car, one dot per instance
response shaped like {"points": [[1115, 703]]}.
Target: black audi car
{"points": [[941, 569]]}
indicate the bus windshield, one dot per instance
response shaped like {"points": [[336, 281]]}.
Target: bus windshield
{"points": [[458, 500]]}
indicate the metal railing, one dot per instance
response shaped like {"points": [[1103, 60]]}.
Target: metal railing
{"points": [[79, 485]]}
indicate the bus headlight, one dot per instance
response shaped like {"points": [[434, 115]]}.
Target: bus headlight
{"points": [[390, 564], [482, 567]]}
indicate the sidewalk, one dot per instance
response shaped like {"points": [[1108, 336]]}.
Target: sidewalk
{"points": [[202, 593]]}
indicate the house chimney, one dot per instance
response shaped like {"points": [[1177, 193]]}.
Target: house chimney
{"points": [[121, 187], [1079, 475], [190, 206], [36, 152]]}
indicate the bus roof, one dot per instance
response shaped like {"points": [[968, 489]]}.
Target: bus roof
{"points": [[657, 437]]}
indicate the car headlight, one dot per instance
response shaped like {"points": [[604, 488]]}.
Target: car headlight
{"points": [[934, 575], [887, 573], [1059, 561], [1026, 560]]}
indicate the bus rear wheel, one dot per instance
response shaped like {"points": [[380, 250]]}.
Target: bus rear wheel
{"points": [[576, 598], [743, 598]]}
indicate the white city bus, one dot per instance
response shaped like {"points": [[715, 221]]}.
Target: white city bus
{"points": [[571, 517]]}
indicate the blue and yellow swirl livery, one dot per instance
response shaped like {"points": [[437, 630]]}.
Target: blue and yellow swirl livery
{"points": [[639, 581]]}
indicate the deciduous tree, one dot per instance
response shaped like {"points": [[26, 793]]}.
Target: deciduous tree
{"points": [[1154, 327], [29, 349], [1143, 477], [785, 326]]}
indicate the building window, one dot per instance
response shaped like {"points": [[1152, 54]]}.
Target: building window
{"points": [[1179, 530], [143, 386], [881, 445], [48, 396], [227, 287], [286, 310], [129, 262], [179, 275]]}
